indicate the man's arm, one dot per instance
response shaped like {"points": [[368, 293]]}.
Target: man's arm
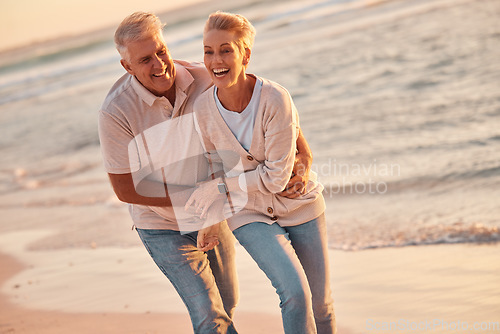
{"points": [[126, 191], [301, 169]]}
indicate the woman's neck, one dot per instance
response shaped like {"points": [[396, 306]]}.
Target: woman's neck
{"points": [[237, 97]]}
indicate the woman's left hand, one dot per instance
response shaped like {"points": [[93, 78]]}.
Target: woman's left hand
{"points": [[202, 198], [208, 237]]}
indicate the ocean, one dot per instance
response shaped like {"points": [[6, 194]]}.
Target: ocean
{"points": [[404, 126]]}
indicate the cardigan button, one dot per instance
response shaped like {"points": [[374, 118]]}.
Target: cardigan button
{"points": [[274, 218], [249, 157], [270, 210]]}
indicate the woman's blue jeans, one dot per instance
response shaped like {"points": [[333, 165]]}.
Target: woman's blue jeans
{"points": [[206, 282], [295, 259]]}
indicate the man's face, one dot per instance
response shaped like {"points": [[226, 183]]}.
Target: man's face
{"points": [[150, 62]]}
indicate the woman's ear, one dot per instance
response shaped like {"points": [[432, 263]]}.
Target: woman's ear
{"points": [[246, 58]]}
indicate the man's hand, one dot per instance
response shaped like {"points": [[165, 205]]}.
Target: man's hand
{"points": [[208, 237], [301, 168], [300, 176]]}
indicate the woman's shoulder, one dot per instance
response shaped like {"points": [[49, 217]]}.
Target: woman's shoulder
{"points": [[274, 92], [204, 98]]}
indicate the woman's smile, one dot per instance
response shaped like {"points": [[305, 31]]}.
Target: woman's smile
{"points": [[220, 72]]}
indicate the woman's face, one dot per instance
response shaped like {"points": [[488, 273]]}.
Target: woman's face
{"points": [[223, 59]]}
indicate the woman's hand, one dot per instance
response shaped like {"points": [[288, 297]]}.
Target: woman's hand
{"points": [[208, 237], [202, 198]]}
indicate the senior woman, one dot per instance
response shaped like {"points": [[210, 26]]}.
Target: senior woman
{"points": [[249, 127]]}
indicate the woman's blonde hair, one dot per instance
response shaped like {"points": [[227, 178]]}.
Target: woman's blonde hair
{"points": [[134, 28], [245, 31]]}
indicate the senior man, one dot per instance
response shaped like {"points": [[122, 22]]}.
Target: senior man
{"points": [[154, 158]]}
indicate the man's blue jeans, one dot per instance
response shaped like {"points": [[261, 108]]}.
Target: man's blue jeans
{"points": [[295, 259], [206, 282]]}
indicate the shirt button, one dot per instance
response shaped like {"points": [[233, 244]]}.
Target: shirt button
{"points": [[274, 218], [270, 210], [249, 157]]}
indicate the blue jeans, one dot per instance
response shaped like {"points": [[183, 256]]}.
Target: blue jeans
{"points": [[206, 282], [295, 259]]}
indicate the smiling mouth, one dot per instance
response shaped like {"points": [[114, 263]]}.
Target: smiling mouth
{"points": [[159, 75], [219, 72]]}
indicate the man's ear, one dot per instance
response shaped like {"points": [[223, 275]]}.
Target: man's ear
{"points": [[126, 66]]}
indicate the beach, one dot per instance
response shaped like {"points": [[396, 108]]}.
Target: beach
{"points": [[414, 289], [400, 104]]}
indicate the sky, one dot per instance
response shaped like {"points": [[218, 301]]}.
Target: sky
{"points": [[26, 21]]}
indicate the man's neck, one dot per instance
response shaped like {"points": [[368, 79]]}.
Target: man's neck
{"points": [[170, 95]]}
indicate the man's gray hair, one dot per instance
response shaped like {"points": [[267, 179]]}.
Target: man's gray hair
{"points": [[134, 28]]}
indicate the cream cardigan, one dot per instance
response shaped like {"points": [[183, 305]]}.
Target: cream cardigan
{"points": [[265, 169]]}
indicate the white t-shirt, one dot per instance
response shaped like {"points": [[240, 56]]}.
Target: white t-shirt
{"points": [[241, 124]]}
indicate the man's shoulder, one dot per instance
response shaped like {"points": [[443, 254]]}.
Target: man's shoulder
{"points": [[197, 71], [119, 93], [191, 66]]}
